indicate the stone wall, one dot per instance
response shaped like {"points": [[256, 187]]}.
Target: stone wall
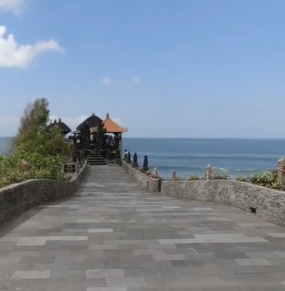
{"points": [[269, 204], [17, 198], [143, 179]]}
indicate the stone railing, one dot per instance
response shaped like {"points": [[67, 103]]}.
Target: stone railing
{"points": [[17, 198], [266, 203], [148, 182]]}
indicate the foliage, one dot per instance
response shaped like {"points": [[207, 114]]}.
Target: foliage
{"points": [[195, 178], [37, 152], [198, 178], [21, 166], [215, 176], [268, 180], [33, 118]]}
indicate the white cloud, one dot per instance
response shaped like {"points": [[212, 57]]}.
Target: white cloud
{"points": [[17, 6], [106, 81], [15, 55], [137, 80]]}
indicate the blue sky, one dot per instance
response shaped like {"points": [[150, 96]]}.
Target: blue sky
{"points": [[163, 68]]}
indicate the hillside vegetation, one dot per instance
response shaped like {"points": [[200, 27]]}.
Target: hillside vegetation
{"points": [[37, 151]]}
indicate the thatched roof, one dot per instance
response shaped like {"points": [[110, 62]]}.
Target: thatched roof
{"points": [[63, 127], [93, 121]]}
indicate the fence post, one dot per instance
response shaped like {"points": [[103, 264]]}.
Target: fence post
{"points": [[155, 172], [280, 171], [174, 175], [209, 170]]}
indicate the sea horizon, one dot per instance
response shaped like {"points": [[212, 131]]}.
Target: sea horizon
{"points": [[245, 138], [191, 156]]}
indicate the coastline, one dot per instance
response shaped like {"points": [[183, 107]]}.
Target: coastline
{"points": [[191, 156]]}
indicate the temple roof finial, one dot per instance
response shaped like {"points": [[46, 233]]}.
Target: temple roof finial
{"points": [[107, 116]]}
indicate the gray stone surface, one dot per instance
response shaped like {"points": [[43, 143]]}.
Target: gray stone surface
{"points": [[269, 204], [114, 235], [149, 183], [17, 198]]}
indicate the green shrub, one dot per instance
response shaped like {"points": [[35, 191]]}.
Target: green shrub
{"points": [[195, 178], [268, 180], [37, 152], [215, 176]]}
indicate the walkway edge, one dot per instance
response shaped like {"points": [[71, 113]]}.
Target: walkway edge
{"points": [[268, 204], [149, 183], [18, 198]]}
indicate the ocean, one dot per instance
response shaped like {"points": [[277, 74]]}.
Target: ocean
{"points": [[5, 143], [235, 157]]}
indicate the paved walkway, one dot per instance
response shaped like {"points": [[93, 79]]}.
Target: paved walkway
{"points": [[115, 236]]}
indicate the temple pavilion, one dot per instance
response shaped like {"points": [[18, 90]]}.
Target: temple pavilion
{"points": [[100, 139]]}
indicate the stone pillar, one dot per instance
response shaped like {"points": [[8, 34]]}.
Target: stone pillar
{"points": [[209, 170], [155, 172]]}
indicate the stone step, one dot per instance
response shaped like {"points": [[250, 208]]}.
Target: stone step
{"points": [[97, 163]]}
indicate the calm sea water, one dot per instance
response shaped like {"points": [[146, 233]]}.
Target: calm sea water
{"points": [[236, 157], [5, 143]]}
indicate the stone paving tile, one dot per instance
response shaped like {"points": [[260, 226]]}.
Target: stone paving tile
{"points": [[25, 254], [126, 282], [280, 254], [252, 262], [106, 289], [18, 275], [32, 241], [279, 235], [113, 235], [169, 257], [100, 230], [105, 273], [10, 260]]}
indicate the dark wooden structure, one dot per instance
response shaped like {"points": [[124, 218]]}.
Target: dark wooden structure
{"points": [[101, 139]]}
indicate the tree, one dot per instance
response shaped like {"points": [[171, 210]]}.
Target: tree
{"points": [[33, 133], [35, 117]]}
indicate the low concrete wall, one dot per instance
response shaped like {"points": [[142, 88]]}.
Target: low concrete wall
{"points": [[268, 203], [143, 179], [17, 198]]}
